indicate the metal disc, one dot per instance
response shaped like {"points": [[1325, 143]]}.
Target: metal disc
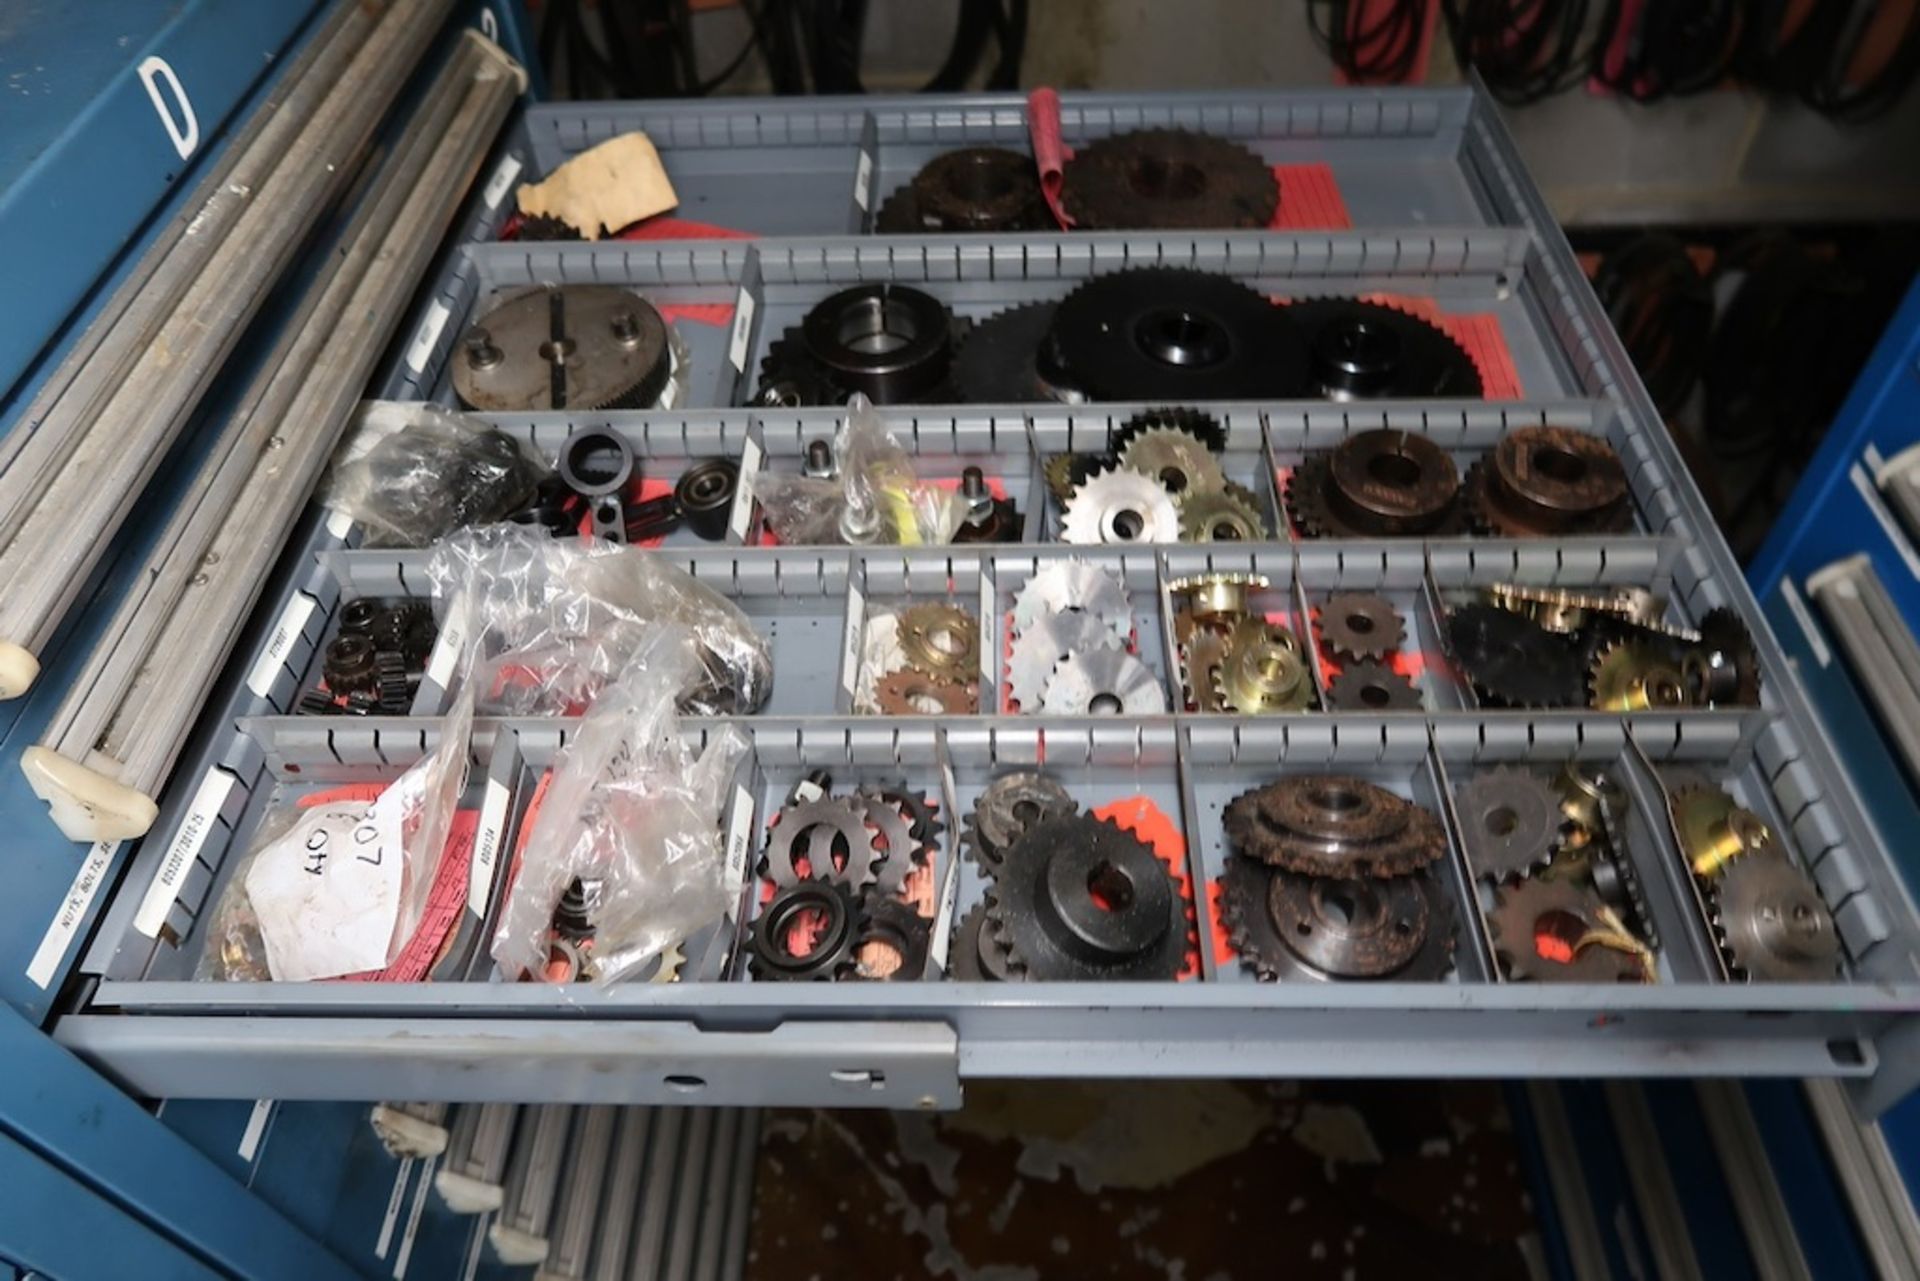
{"points": [[1103, 682]]}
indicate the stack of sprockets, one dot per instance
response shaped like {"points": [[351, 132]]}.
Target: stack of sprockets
{"points": [[375, 662], [927, 663], [1161, 483], [1233, 659], [1330, 879], [843, 906], [1074, 897], [1071, 628], [1567, 904], [1362, 632]]}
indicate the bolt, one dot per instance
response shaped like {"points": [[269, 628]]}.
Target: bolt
{"points": [[979, 499], [626, 329], [819, 459], [481, 353]]}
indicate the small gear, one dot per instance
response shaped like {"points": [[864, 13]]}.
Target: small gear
{"points": [[1120, 507], [1067, 472], [1772, 922], [1203, 427], [1102, 682], [893, 942], [1201, 657], [833, 835], [923, 822], [358, 616], [1365, 350], [1383, 483], [1229, 515], [1010, 805], [998, 359], [394, 694], [973, 189], [899, 849], [1167, 178], [1265, 670], [1067, 586], [1549, 482], [910, 693], [1360, 626], [1038, 650], [1723, 670], [1512, 661], [1177, 461], [1714, 831], [1372, 687], [1334, 825], [351, 666], [1082, 898], [1631, 677], [978, 954], [1510, 822], [1543, 931], [808, 931], [941, 640]]}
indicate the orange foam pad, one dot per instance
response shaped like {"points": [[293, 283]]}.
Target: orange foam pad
{"points": [[1478, 332], [1309, 199], [445, 901]]}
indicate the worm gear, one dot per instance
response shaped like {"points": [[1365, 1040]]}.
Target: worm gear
{"points": [[892, 343], [1360, 626], [1544, 931], [1541, 482], [1285, 926], [566, 347], [1722, 669], [1372, 687], [1167, 179], [1039, 649], [1120, 507], [1512, 661], [808, 931], [910, 693], [1366, 350], [1009, 806], [1510, 822], [1377, 484], [1631, 676], [941, 640], [1333, 825], [1772, 923], [969, 190], [979, 956], [833, 835], [1265, 670], [1203, 427], [1177, 461], [1069, 586], [1714, 831], [1172, 334], [1228, 515], [998, 361], [1081, 898], [1102, 682]]}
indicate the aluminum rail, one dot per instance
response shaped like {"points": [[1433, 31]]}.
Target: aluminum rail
{"points": [[1880, 648], [112, 741], [75, 486], [1876, 1192]]}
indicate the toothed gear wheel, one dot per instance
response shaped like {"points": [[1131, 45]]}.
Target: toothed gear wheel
{"points": [[1038, 650], [896, 842], [1203, 427], [818, 831], [1360, 626], [1177, 461], [618, 352], [1543, 482], [1067, 472], [1627, 676], [1167, 179], [973, 189], [394, 695], [892, 343], [1289, 927], [1102, 682], [1201, 657], [978, 954], [999, 360], [1081, 898], [1772, 922], [923, 820], [1120, 507], [1265, 670], [1334, 825], [1513, 661], [1172, 334], [1372, 687], [1510, 822], [1010, 805], [1218, 598], [1367, 350], [1377, 484], [1066, 586], [1536, 912], [942, 640], [808, 932], [1229, 515], [909, 693], [1723, 669], [1715, 831]]}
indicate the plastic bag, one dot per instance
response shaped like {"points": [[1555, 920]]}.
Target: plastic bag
{"points": [[339, 888], [549, 623], [635, 813], [873, 496], [439, 471]]}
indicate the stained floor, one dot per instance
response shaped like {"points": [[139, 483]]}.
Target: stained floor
{"points": [[1161, 1181]]}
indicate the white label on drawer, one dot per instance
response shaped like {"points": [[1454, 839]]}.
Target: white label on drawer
{"points": [[1871, 457], [292, 624], [1797, 606], [451, 641], [184, 848], [420, 350], [339, 524], [486, 846], [739, 838], [413, 1218], [501, 182], [73, 909], [742, 330], [1888, 525], [394, 1200], [862, 179], [256, 1128], [741, 517], [850, 644]]}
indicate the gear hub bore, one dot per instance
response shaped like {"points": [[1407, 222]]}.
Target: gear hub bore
{"points": [[1377, 484], [891, 343], [1079, 898]]}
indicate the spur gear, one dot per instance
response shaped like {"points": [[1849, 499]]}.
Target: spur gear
{"points": [[1723, 669], [1628, 676], [1167, 178], [1069, 586], [1177, 461], [1265, 670], [1285, 926], [1377, 484], [832, 834], [1174, 334], [1510, 822], [1009, 806], [1203, 427], [1372, 687], [1512, 661], [941, 640], [972, 189], [1360, 626], [893, 343], [565, 347], [1038, 650], [1067, 472], [1772, 922], [1543, 931], [1201, 656], [896, 840], [1081, 898], [978, 954], [1334, 825], [912, 693], [1366, 350], [1120, 507], [1102, 682], [1714, 831], [808, 931], [998, 359], [1549, 481], [1229, 515], [1567, 612]]}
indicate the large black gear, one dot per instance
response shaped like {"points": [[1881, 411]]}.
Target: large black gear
{"points": [[1202, 426], [1369, 350], [1512, 661], [1168, 178], [1080, 898], [1175, 334], [973, 189], [1286, 926], [998, 360], [892, 343]]}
